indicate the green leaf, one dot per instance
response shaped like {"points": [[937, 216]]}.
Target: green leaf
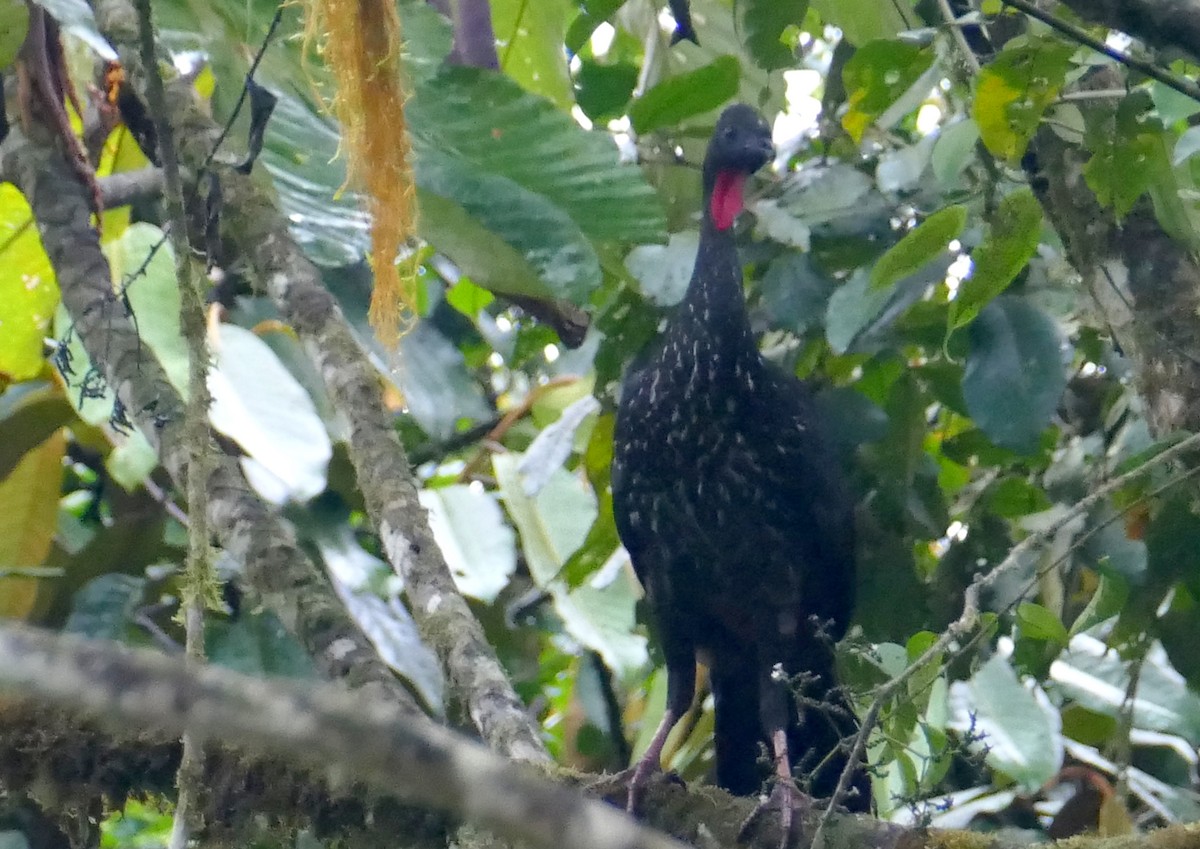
{"points": [[1015, 373], [686, 95], [1010, 243], [876, 77], [1127, 158], [954, 150], [1106, 602], [1172, 552], [479, 547], [597, 548], [763, 26], [256, 643], [30, 413], [862, 21], [482, 123], [1096, 677], [468, 298], [594, 13], [438, 389], [103, 608], [15, 14], [926, 242], [553, 525], [1014, 497], [852, 306], [258, 404], [563, 259], [664, 271], [28, 289], [602, 91], [530, 46], [143, 261], [1039, 623], [29, 497], [1018, 728], [1013, 91], [1177, 629]]}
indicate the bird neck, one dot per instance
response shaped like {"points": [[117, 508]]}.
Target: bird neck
{"points": [[711, 320]]}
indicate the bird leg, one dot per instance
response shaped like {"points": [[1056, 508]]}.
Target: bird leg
{"points": [[774, 707], [649, 762], [784, 794], [681, 687]]}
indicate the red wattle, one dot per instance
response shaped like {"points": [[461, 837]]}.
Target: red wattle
{"points": [[727, 199]]}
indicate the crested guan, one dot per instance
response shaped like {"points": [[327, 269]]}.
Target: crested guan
{"points": [[733, 509]]}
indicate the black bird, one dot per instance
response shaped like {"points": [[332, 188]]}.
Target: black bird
{"points": [[732, 505], [681, 10]]}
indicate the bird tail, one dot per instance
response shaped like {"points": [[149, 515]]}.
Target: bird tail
{"points": [[738, 733], [823, 726], [820, 721]]}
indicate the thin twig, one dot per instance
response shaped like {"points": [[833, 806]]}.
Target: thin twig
{"points": [[199, 576], [956, 32], [244, 93]]}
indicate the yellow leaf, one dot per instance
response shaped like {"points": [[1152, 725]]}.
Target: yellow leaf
{"points": [[28, 289], [28, 520]]}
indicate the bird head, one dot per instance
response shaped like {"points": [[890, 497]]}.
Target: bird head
{"points": [[741, 144]]}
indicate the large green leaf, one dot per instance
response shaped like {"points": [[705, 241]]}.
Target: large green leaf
{"points": [[1015, 372], [1015, 725], [1097, 678], [485, 122], [686, 95], [1010, 243], [30, 413], [604, 90], [256, 643], [518, 163], [530, 46], [258, 404], [28, 289], [865, 20], [1128, 157], [105, 606], [1013, 91], [480, 549], [554, 524], [563, 260], [722, 35], [878, 74], [928, 241]]}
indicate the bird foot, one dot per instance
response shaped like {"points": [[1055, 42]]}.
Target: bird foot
{"points": [[639, 776], [785, 797]]}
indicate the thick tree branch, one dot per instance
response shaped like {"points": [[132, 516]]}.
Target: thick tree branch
{"points": [[1159, 23], [276, 570], [1141, 279], [247, 800], [131, 186], [255, 231], [1180, 84], [319, 725]]}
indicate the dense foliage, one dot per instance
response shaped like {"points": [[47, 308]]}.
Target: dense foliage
{"points": [[906, 255]]}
